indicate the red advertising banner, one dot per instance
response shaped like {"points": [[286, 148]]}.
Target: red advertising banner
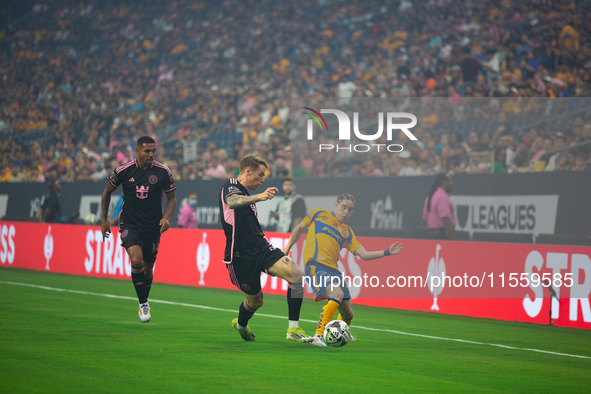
{"points": [[500, 281], [185, 257]]}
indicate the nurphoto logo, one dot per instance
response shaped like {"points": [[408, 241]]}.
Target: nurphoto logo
{"points": [[345, 130]]}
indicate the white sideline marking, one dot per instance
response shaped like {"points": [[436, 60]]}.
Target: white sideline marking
{"points": [[283, 317]]}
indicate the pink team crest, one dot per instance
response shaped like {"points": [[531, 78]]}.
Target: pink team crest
{"points": [[124, 233], [153, 179], [141, 191]]}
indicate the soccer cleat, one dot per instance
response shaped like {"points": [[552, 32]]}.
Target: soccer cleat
{"points": [[144, 313], [246, 334], [318, 341], [298, 335], [352, 338]]}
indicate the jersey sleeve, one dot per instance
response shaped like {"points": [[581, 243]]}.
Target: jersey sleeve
{"points": [[168, 184], [115, 178], [352, 244], [311, 216], [229, 189]]}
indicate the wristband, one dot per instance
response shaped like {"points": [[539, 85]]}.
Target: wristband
{"points": [[387, 252]]}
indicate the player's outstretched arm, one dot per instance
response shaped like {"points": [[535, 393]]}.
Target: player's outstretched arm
{"points": [[105, 202], [235, 201], [296, 233], [170, 206], [395, 248]]}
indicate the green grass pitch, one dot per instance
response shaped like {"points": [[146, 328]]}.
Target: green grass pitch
{"points": [[73, 342]]}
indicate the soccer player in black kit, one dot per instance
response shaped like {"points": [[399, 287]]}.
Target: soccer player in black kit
{"points": [[248, 253], [144, 182]]}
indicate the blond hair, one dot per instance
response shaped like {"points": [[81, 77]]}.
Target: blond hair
{"points": [[345, 196]]}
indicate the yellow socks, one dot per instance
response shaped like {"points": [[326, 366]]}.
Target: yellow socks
{"points": [[327, 314]]}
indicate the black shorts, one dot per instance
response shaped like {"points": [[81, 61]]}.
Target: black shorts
{"points": [[148, 241], [246, 274]]}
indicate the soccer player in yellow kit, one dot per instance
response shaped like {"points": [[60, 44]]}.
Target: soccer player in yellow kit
{"points": [[327, 235]]}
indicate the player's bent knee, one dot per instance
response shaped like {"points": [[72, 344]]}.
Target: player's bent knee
{"points": [[137, 262], [296, 274], [336, 293]]}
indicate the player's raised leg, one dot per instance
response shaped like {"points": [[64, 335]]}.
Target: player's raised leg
{"points": [[138, 277], [286, 269]]}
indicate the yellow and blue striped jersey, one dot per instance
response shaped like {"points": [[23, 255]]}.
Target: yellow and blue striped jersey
{"points": [[326, 237]]}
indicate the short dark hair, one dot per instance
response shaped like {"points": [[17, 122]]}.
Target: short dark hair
{"points": [[251, 161], [146, 139], [287, 179]]}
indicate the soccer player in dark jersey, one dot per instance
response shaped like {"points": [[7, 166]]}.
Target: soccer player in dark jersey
{"points": [[144, 182], [248, 253]]}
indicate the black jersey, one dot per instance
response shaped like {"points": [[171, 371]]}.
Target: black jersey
{"points": [[143, 193], [53, 203], [244, 237]]}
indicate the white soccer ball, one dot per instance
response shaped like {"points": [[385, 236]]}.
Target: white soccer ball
{"points": [[90, 218], [337, 333]]}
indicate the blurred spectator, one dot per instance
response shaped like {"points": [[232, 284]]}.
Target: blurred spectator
{"points": [[190, 145], [559, 159], [581, 161], [500, 164], [188, 214], [522, 156], [438, 210], [5, 173], [96, 77], [50, 211], [216, 169], [536, 149], [572, 159], [16, 174], [283, 213]]}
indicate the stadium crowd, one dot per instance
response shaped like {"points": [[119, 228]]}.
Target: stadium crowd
{"points": [[212, 81]]}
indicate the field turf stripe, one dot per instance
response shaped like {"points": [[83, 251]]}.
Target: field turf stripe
{"points": [[283, 317]]}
